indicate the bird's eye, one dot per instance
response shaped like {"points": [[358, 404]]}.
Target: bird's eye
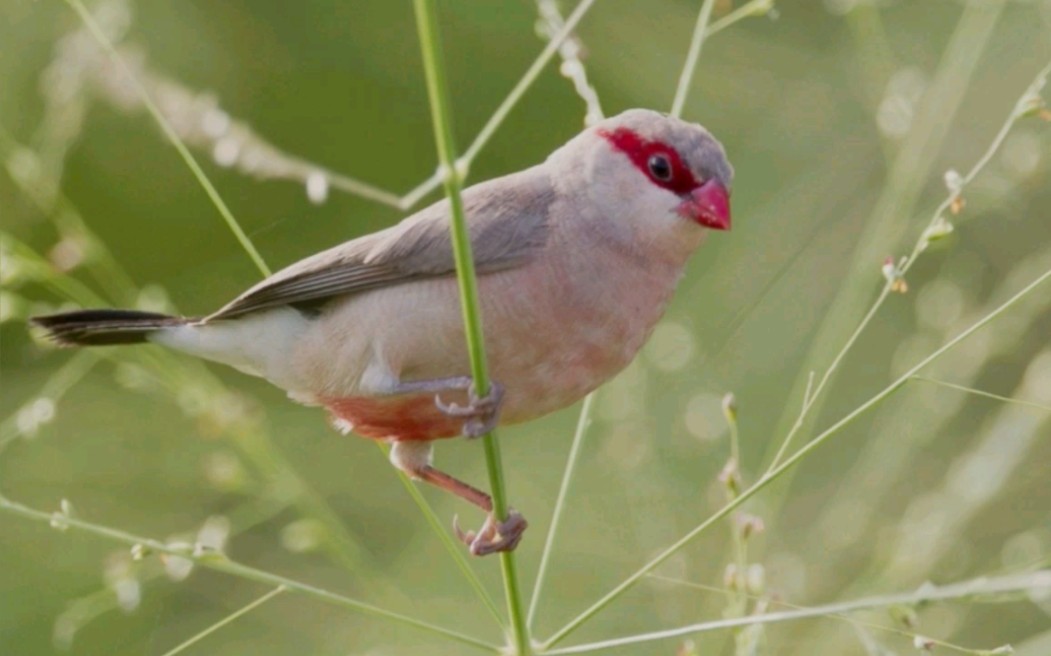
{"points": [[660, 167]]}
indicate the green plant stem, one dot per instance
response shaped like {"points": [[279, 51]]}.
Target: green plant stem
{"points": [[437, 92], [905, 183], [799, 455], [737, 605], [917, 249], [567, 476], [1035, 582], [701, 31], [842, 616], [222, 564], [240, 612], [988, 395], [169, 132], [748, 9], [71, 372], [696, 41], [490, 127], [454, 548], [175, 372]]}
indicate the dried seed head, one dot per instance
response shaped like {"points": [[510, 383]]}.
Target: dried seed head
{"points": [[730, 408], [923, 643], [749, 525], [730, 476]]}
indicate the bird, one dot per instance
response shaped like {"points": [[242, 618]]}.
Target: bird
{"points": [[577, 259]]}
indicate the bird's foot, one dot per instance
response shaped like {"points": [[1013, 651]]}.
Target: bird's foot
{"points": [[494, 535], [481, 414]]}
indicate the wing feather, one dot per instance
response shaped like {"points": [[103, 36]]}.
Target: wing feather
{"points": [[507, 220]]}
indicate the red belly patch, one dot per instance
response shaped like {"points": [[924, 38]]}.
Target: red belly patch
{"points": [[410, 417]]}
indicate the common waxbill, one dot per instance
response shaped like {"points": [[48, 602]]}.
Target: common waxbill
{"points": [[577, 258]]}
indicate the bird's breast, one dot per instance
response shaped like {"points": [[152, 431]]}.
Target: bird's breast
{"points": [[569, 324]]}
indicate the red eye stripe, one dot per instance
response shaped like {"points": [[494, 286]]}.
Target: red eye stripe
{"points": [[640, 150]]}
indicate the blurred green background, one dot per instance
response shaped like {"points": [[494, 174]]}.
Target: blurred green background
{"points": [[840, 117]]}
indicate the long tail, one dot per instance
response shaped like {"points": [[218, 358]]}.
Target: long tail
{"points": [[103, 327]]}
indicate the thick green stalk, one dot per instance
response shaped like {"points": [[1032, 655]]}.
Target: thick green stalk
{"points": [[437, 92]]}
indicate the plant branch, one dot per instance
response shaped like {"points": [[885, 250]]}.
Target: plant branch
{"points": [[988, 395], [519, 89], [173, 136], [1035, 582], [777, 472], [583, 422], [240, 612], [454, 548], [927, 235], [222, 564], [696, 41]]}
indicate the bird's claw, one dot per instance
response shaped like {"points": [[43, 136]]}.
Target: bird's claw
{"points": [[481, 414], [494, 535]]}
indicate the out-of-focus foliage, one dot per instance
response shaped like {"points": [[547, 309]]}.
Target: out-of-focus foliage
{"points": [[841, 118]]}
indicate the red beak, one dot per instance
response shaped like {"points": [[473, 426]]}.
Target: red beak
{"points": [[708, 205]]}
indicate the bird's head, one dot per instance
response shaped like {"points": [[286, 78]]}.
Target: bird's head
{"points": [[656, 178]]}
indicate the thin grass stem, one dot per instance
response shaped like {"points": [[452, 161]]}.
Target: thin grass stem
{"points": [[69, 374], [1036, 582], [747, 10], [174, 374], [812, 393], [437, 92], [988, 395], [583, 422], [222, 564], [842, 616], [498, 116], [169, 131], [701, 31], [454, 548], [922, 241], [799, 455], [696, 41], [911, 166], [237, 614]]}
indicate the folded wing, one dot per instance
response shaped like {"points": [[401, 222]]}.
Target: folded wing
{"points": [[507, 220]]}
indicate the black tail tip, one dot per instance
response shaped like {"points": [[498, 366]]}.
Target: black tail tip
{"points": [[101, 327]]}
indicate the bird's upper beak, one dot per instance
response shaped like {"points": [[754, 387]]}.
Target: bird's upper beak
{"points": [[708, 205]]}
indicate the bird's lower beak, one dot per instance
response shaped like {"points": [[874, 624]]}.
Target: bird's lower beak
{"points": [[708, 205]]}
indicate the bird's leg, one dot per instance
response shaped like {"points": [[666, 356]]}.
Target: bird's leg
{"points": [[480, 415], [414, 458]]}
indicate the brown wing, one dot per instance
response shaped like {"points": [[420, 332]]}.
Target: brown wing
{"points": [[507, 219]]}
